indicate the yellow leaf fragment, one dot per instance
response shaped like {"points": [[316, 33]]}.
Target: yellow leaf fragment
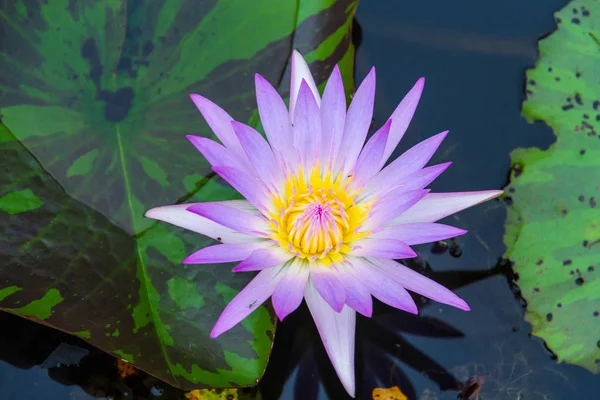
{"points": [[393, 393], [212, 394], [126, 369]]}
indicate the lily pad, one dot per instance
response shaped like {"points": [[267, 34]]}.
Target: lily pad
{"points": [[95, 109], [553, 226]]}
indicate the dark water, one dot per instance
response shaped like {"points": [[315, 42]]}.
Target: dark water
{"points": [[473, 55]]}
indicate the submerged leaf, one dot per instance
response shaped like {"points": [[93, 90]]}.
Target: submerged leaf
{"points": [[553, 227], [94, 102]]}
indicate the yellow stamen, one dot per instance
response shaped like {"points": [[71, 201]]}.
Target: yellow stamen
{"points": [[319, 217]]}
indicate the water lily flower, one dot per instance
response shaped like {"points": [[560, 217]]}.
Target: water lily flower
{"points": [[324, 216]]}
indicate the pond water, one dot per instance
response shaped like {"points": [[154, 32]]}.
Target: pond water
{"points": [[473, 55]]}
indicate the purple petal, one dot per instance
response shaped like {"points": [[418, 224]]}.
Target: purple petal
{"points": [[391, 206], [418, 233], [382, 288], [179, 216], [222, 253], [216, 154], [275, 118], [358, 121], [333, 115], [263, 258], [404, 166], [259, 153], [243, 205], [402, 116], [435, 206], [300, 71], [220, 123], [420, 284], [249, 299], [357, 295], [337, 332], [252, 189], [307, 127], [424, 177], [290, 291], [231, 217], [368, 161], [383, 248], [329, 286], [418, 180]]}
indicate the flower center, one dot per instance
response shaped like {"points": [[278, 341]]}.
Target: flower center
{"points": [[316, 223], [318, 217]]}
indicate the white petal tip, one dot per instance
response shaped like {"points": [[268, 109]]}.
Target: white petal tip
{"points": [[349, 385], [151, 213], [487, 195], [297, 60]]}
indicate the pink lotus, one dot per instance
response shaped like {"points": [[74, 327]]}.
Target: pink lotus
{"points": [[323, 219]]}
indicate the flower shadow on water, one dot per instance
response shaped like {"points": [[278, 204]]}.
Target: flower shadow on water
{"points": [[299, 368], [33, 353]]}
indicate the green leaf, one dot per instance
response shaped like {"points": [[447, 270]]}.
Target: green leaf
{"points": [[19, 201], [95, 109], [553, 227]]}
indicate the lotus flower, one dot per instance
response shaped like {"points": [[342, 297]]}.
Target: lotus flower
{"points": [[324, 217]]}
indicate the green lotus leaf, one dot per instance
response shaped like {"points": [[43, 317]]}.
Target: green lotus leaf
{"points": [[94, 107], [553, 226]]}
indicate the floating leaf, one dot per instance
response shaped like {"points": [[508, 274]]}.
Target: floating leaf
{"points": [[553, 227], [93, 97]]}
